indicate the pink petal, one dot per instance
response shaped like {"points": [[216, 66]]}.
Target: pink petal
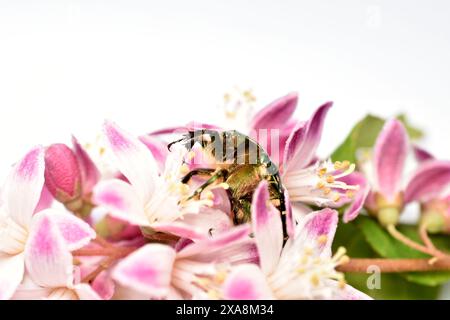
{"points": [[267, 228], [11, 274], [276, 114], [45, 201], [47, 258], [157, 148], [360, 197], [389, 158], [197, 226], [317, 229], [104, 286], [147, 270], [24, 187], [347, 293], [290, 219], [246, 282], [421, 154], [86, 292], [429, 181], [301, 146], [121, 200], [75, 232], [90, 174], [133, 159], [211, 246]]}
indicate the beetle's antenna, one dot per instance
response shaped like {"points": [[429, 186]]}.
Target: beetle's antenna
{"points": [[174, 142]]}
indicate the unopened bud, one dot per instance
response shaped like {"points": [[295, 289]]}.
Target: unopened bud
{"points": [[62, 175], [388, 216], [434, 221]]}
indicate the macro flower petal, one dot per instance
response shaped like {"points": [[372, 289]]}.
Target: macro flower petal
{"points": [[147, 270], [390, 153], [357, 203], [196, 226], [75, 232], [217, 245], [421, 154], [267, 228], [301, 146], [276, 114], [246, 282], [316, 230], [85, 292], [347, 292], [90, 174], [24, 187], [157, 148], [12, 269], [121, 200], [430, 180], [47, 257], [133, 159]]}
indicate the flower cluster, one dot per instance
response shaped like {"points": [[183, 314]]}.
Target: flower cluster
{"points": [[149, 218]]}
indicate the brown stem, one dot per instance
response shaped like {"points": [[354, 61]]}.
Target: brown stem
{"points": [[427, 241], [395, 265], [107, 262], [111, 251], [102, 242], [104, 264]]}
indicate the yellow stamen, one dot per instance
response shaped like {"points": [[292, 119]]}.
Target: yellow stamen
{"points": [[315, 280], [322, 239]]}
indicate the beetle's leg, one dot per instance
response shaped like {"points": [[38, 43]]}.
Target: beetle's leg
{"points": [[196, 172], [221, 174]]}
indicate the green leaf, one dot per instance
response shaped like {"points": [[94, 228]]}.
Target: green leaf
{"points": [[388, 247], [393, 286], [364, 135]]}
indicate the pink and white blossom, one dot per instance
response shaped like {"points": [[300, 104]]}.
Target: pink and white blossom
{"points": [[19, 225], [302, 268]]}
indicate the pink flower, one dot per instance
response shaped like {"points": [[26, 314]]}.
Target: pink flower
{"points": [[49, 261], [18, 223], [301, 269], [153, 200], [320, 183], [389, 194], [196, 271]]}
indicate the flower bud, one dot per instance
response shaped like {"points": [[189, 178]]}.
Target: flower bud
{"points": [[62, 175], [435, 216], [388, 210]]}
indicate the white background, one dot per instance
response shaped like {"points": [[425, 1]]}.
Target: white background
{"points": [[65, 66]]}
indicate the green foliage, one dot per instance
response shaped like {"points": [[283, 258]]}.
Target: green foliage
{"points": [[388, 247], [364, 135], [364, 238]]}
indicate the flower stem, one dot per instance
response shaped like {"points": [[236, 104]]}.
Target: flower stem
{"points": [[407, 241], [395, 265]]}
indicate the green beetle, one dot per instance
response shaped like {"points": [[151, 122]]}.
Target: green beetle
{"points": [[241, 165]]}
